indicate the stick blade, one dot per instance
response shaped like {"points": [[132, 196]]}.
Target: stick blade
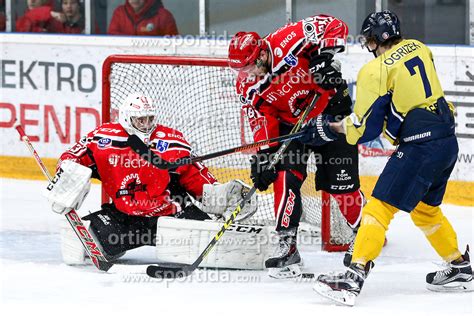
{"points": [[102, 265], [169, 272]]}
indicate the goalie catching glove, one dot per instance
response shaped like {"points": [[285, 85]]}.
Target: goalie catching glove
{"points": [[69, 187], [222, 199]]}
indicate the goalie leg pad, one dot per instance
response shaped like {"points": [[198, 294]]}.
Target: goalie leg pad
{"points": [[241, 247], [72, 250]]}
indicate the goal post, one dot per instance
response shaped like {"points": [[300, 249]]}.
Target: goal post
{"points": [[196, 95]]}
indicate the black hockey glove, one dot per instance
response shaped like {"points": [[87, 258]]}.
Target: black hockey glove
{"points": [[340, 105], [325, 71], [260, 174], [318, 132]]}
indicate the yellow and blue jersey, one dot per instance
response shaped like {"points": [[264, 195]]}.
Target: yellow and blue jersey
{"points": [[400, 80]]}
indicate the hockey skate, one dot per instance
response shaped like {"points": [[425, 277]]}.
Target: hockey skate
{"points": [[343, 288], [456, 278], [286, 260], [348, 254]]}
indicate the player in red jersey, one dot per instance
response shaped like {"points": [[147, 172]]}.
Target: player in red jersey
{"points": [[277, 78], [139, 192]]}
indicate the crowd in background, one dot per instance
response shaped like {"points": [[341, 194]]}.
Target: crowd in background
{"points": [[421, 18], [134, 17]]}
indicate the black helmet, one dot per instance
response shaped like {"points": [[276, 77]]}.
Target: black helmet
{"points": [[381, 26]]}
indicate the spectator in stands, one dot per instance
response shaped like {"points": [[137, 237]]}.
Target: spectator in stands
{"points": [[142, 17], [37, 17], [71, 19]]}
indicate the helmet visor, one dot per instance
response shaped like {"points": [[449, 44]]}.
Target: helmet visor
{"points": [[245, 71], [144, 124]]}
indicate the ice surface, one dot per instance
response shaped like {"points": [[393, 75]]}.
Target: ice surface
{"points": [[34, 278]]}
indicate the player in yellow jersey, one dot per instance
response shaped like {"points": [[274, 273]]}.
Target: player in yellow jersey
{"points": [[399, 94]]}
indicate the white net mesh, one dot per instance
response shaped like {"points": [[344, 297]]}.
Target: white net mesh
{"points": [[200, 101]]}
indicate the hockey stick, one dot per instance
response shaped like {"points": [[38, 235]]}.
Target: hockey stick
{"points": [[172, 272], [144, 151], [90, 245]]}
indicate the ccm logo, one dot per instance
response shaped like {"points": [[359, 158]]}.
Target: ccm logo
{"points": [[245, 229], [55, 179], [342, 187]]}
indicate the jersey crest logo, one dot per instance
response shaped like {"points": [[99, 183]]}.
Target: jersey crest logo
{"points": [[104, 143], [291, 60], [278, 52], [162, 146]]}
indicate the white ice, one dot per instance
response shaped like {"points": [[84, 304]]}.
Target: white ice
{"points": [[34, 279]]}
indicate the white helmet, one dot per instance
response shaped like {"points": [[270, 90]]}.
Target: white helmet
{"points": [[138, 115]]}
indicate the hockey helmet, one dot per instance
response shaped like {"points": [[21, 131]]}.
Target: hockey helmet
{"points": [[138, 115], [335, 34], [244, 50], [380, 26]]}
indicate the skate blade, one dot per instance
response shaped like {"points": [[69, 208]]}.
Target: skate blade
{"points": [[451, 287], [341, 297], [288, 272]]}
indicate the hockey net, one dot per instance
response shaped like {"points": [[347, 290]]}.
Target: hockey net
{"points": [[196, 95]]}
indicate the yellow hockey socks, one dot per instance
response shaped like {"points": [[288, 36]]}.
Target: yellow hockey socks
{"points": [[437, 230], [376, 217]]}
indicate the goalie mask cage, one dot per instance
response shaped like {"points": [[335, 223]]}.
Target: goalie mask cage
{"points": [[196, 95]]}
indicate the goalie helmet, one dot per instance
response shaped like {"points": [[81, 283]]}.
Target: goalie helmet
{"points": [[138, 116], [244, 50]]}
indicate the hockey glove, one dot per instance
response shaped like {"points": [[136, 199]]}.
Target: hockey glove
{"points": [[326, 71], [318, 132], [340, 104], [261, 175], [222, 199], [69, 187]]}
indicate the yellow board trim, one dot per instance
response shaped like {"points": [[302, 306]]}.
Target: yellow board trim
{"points": [[457, 192]]}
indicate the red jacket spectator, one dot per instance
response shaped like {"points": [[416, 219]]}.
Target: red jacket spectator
{"points": [[71, 27], [71, 18], [152, 19], [37, 20]]}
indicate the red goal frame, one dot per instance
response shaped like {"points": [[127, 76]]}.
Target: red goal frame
{"points": [[326, 245]]}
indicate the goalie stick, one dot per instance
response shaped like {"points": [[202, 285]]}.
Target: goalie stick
{"points": [[90, 245], [171, 271], [139, 147]]}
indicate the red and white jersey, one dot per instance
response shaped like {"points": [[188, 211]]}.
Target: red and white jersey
{"points": [[285, 92], [135, 186]]}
